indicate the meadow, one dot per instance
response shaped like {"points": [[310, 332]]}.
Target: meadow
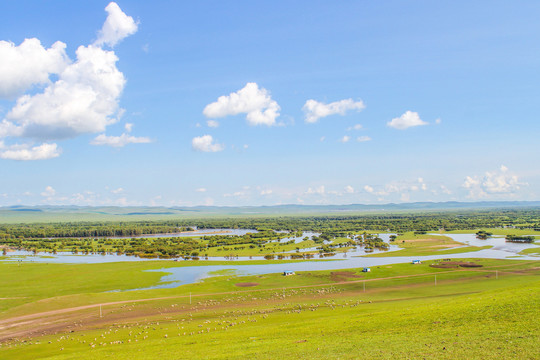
{"points": [[470, 308], [395, 311]]}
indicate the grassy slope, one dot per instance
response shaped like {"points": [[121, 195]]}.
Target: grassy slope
{"points": [[465, 316]]}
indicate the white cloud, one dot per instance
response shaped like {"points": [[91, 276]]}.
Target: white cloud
{"points": [[266, 192], [251, 100], [128, 127], [117, 191], [26, 152], [322, 138], [318, 190], [349, 189], [315, 110], [84, 99], [236, 194], [201, 190], [345, 139], [28, 64], [49, 191], [117, 26], [363, 138], [398, 187], [438, 121], [205, 143], [445, 190], [492, 183], [369, 189], [119, 141], [212, 123], [355, 127], [423, 185], [407, 120]]}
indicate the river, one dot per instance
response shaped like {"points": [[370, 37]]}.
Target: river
{"points": [[353, 259]]}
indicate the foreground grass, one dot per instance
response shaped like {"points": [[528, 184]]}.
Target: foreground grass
{"points": [[27, 282], [468, 315]]}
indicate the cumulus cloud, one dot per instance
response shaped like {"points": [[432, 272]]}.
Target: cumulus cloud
{"points": [[49, 191], [212, 123], [117, 26], [349, 189], [117, 191], [28, 64], [345, 139], [498, 182], [355, 127], [122, 140], [84, 98], [251, 100], [266, 192], [205, 143], [119, 141], [201, 190], [363, 138], [236, 194], [445, 190], [403, 187], [315, 110], [407, 120], [318, 190], [25, 152]]}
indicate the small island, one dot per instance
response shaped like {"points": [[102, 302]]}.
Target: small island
{"points": [[520, 239]]}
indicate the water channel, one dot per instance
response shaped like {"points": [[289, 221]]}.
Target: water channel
{"points": [[500, 249]]}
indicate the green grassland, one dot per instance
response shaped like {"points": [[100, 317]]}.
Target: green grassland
{"points": [[497, 231], [30, 283], [422, 244], [535, 251], [396, 311]]}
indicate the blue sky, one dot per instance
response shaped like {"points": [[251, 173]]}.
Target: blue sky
{"points": [[262, 103]]}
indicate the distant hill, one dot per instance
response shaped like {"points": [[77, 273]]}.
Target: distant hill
{"points": [[47, 213]]}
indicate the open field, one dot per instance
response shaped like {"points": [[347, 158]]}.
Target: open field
{"points": [[497, 231], [419, 245], [324, 314]]}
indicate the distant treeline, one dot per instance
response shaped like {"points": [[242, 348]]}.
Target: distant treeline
{"points": [[84, 229], [333, 225]]}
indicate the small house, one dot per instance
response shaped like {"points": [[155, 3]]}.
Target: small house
{"points": [[366, 269], [288, 273], [416, 262]]}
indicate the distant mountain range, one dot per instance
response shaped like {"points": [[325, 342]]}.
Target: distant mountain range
{"points": [[39, 213]]}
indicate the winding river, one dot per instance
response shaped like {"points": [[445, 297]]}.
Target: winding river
{"points": [[353, 259]]}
